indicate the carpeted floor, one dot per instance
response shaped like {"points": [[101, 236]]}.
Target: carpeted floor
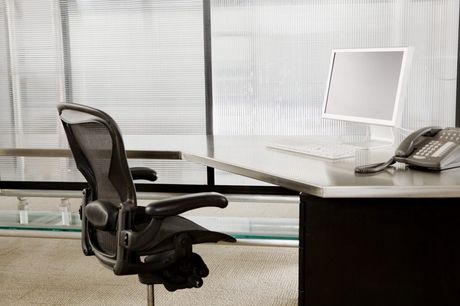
{"points": [[36, 271]]}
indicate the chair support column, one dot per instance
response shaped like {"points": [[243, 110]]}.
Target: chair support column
{"points": [[150, 296]]}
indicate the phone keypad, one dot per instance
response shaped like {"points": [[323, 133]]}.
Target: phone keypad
{"points": [[446, 140], [443, 149], [450, 136], [428, 149]]}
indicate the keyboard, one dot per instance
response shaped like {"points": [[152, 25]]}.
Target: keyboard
{"points": [[330, 151]]}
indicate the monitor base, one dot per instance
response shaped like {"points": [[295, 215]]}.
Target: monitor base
{"points": [[378, 137]]}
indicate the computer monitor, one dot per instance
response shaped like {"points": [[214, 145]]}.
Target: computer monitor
{"points": [[367, 85]]}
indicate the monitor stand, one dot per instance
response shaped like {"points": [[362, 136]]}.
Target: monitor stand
{"points": [[378, 137]]}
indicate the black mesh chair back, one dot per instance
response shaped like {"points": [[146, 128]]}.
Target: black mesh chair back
{"points": [[152, 241], [98, 149], [110, 183]]}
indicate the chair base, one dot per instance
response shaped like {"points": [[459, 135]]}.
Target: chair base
{"points": [[150, 279], [187, 272]]}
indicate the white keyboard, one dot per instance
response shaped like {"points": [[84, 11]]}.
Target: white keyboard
{"points": [[330, 151]]}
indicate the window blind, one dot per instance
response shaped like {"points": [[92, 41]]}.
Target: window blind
{"points": [[140, 61], [30, 33]]}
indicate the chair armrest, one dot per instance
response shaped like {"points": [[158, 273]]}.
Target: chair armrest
{"points": [[143, 173], [177, 205]]}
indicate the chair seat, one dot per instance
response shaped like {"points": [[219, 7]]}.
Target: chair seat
{"points": [[173, 226]]}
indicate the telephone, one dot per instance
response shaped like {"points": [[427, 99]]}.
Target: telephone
{"points": [[429, 148]]}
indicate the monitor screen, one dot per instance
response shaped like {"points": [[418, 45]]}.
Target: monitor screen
{"points": [[365, 85]]}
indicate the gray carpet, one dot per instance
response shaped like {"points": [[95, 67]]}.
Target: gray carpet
{"points": [[54, 272]]}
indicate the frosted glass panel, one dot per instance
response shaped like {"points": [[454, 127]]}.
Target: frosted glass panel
{"points": [[142, 61], [271, 60]]}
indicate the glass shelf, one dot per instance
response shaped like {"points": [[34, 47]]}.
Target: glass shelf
{"points": [[238, 227], [38, 221]]}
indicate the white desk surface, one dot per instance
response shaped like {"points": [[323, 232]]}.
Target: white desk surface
{"points": [[249, 156]]}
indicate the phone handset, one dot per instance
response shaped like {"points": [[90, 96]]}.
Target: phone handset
{"points": [[407, 146], [411, 142]]}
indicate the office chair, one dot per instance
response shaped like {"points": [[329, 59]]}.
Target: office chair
{"points": [[153, 241]]}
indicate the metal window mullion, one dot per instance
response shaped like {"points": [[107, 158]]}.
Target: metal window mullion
{"points": [[58, 27], [14, 73], [15, 84], [457, 104], [61, 27], [66, 54], [208, 81]]}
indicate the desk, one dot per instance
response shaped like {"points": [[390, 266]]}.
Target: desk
{"points": [[385, 239]]}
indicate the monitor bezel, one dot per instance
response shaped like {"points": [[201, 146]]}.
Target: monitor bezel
{"points": [[400, 93]]}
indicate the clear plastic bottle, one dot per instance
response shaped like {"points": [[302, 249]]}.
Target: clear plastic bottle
{"points": [[23, 209], [66, 213]]}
